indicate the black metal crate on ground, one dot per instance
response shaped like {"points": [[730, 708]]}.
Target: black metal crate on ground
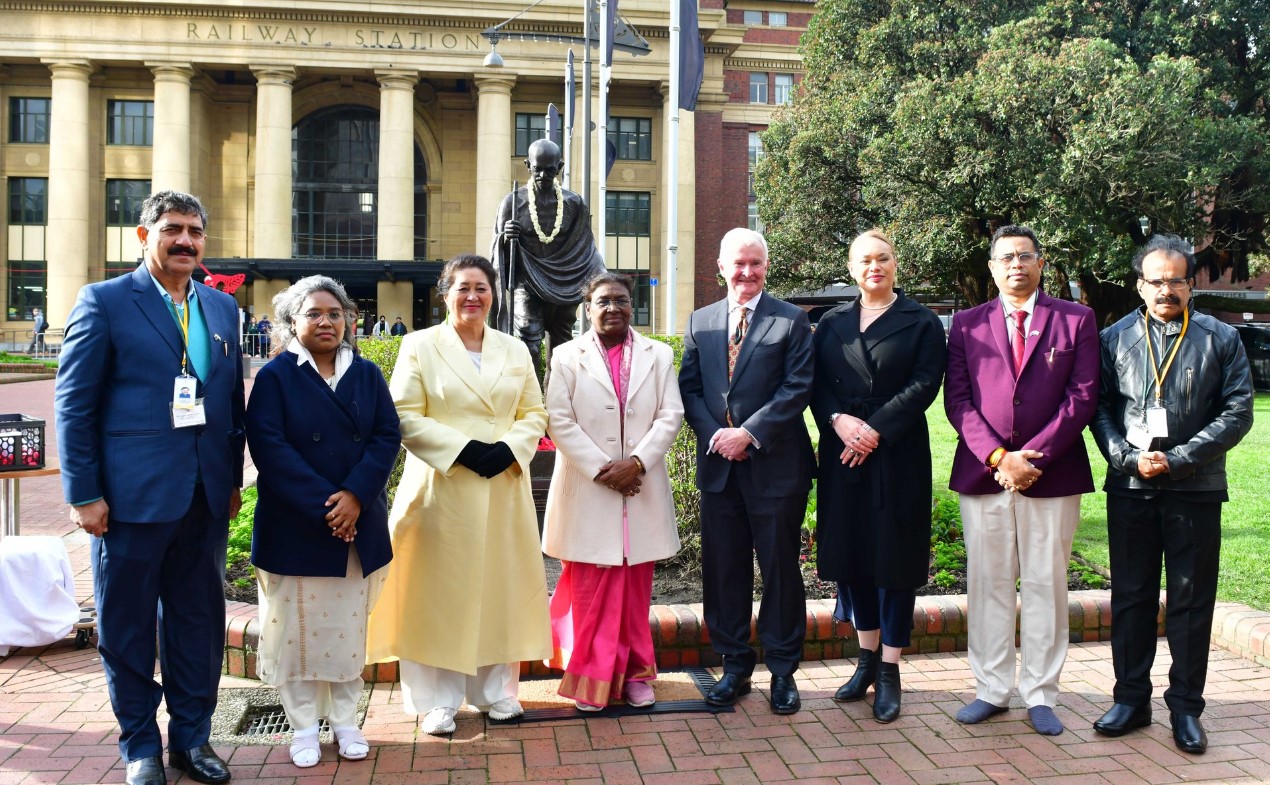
{"points": [[21, 443]]}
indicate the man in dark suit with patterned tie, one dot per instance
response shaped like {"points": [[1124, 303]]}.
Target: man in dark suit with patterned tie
{"points": [[746, 379]]}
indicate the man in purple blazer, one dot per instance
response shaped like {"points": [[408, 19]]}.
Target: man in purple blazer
{"points": [[1022, 384]]}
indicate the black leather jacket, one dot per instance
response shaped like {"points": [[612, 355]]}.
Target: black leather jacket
{"points": [[1208, 395]]}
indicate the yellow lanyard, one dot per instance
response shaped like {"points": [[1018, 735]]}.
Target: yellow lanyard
{"points": [[1161, 372], [183, 319]]}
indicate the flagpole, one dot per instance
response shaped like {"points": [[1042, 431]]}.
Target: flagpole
{"points": [[672, 200], [601, 126]]}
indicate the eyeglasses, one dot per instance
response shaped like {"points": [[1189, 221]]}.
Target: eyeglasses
{"points": [[1024, 258], [620, 303], [330, 317], [1160, 283]]}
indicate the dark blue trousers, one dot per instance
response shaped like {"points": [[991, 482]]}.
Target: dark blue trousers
{"points": [[169, 576]]}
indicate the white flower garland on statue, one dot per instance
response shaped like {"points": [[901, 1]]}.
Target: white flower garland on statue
{"points": [[533, 212]]}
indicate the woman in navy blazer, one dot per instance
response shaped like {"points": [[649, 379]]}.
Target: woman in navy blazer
{"points": [[323, 434]]}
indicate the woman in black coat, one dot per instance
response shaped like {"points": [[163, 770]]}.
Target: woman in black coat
{"points": [[879, 365], [324, 434]]}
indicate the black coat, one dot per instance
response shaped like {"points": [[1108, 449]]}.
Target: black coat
{"points": [[309, 441], [873, 521]]}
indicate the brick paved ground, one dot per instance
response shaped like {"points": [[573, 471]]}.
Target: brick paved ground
{"points": [[56, 725]]}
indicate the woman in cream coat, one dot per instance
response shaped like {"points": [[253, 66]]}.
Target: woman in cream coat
{"points": [[466, 599], [615, 410]]}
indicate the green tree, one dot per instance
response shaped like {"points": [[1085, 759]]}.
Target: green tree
{"points": [[942, 124]]}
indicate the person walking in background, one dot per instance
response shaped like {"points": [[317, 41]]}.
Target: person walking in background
{"points": [[154, 480], [614, 409], [466, 600], [1022, 384], [879, 364], [1176, 397], [323, 433], [745, 380], [38, 328]]}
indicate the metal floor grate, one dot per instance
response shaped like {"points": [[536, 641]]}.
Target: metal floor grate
{"points": [[269, 720]]}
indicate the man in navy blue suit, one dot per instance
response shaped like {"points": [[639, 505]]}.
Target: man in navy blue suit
{"points": [[154, 477]]}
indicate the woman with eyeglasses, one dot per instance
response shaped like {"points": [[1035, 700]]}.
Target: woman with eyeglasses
{"points": [[466, 601], [323, 434], [615, 409], [879, 364]]}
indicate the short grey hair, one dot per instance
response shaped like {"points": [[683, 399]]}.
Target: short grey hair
{"points": [[287, 304], [156, 204], [741, 237]]}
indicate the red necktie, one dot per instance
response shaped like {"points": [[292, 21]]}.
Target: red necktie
{"points": [[1020, 339]]}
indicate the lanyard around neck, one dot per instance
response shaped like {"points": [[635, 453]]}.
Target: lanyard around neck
{"points": [[1162, 371]]}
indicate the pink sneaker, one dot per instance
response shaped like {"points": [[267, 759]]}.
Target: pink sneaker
{"points": [[638, 694]]}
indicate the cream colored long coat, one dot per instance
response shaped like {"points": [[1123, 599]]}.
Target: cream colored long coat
{"points": [[466, 587], [584, 518]]}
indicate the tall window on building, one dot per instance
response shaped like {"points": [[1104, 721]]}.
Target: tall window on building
{"points": [[632, 137], [335, 190], [754, 17], [28, 270], [758, 88], [529, 129], [629, 244], [29, 120], [784, 88], [754, 155], [777, 18], [123, 213], [130, 123]]}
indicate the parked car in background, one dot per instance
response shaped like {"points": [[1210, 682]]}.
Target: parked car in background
{"points": [[1256, 338]]}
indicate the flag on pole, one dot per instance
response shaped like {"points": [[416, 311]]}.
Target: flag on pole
{"points": [[611, 21], [569, 92], [692, 56]]}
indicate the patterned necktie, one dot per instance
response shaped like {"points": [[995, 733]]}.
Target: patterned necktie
{"points": [[734, 344], [1020, 339]]}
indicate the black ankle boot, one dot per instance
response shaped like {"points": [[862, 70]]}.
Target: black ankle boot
{"points": [[866, 672], [886, 694]]}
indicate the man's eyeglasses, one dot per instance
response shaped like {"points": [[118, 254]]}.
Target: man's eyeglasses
{"points": [[620, 302], [1160, 283], [1024, 258], [330, 317]]}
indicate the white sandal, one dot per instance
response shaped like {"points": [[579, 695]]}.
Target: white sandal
{"points": [[353, 745], [305, 752]]}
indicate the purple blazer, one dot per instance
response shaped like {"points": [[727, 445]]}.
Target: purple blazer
{"points": [[1044, 409]]}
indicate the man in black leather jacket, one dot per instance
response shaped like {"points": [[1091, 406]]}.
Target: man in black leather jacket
{"points": [[1176, 397]]}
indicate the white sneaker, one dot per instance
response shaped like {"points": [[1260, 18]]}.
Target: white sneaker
{"points": [[439, 721], [505, 709]]}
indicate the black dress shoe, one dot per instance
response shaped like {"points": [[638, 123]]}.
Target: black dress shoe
{"points": [[886, 693], [146, 771], [728, 689], [201, 763], [1188, 733], [785, 698], [866, 673], [1122, 718]]}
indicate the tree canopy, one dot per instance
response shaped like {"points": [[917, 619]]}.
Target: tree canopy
{"points": [[1095, 123]]}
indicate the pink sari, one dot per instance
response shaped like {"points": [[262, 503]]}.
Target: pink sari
{"points": [[599, 614]]}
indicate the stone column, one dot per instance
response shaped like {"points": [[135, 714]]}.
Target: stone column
{"points": [[170, 167], [271, 235], [686, 239], [494, 133], [67, 240], [396, 199]]}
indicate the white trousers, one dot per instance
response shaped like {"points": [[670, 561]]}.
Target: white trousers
{"points": [[1011, 537], [425, 687], [306, 702]]}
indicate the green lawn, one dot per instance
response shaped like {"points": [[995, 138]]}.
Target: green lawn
{"points": [[1245, 519]]}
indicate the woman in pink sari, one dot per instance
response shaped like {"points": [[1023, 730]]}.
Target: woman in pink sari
{"points": [[615, 409]]}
